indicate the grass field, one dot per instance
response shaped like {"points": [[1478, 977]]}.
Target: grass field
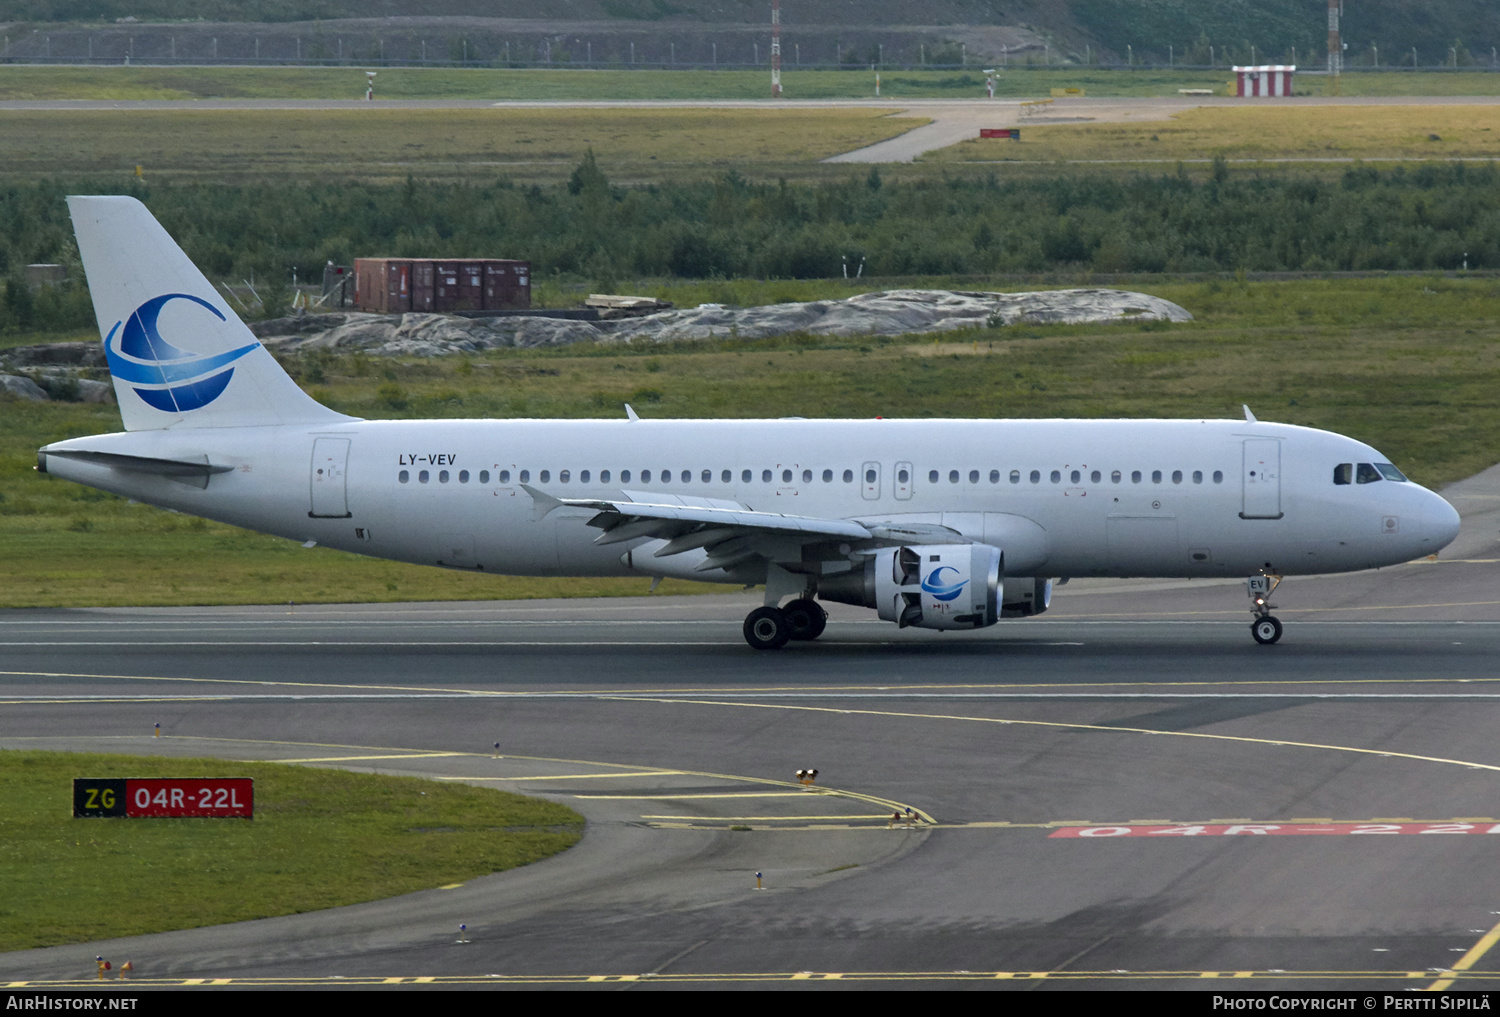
{"points": [[1256, 132], [382, 145], [320, 839], [22, 82], [1408, 364], [390, 144]]}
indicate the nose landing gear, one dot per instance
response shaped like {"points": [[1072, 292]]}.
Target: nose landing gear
{"points": [[1266, 628]]}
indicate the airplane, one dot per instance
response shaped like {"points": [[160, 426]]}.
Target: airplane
{"points": [[934, 524]]}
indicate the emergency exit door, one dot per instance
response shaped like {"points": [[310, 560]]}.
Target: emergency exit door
{"points": [[330, 463]]}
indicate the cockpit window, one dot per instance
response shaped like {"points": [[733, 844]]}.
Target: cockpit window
{"points": [[1366, 474], [1343, 473], [1390, 472]]}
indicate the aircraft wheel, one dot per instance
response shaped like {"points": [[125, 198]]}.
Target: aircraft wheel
{"points": [[1266, 630], [805, 619], [766, 628]]}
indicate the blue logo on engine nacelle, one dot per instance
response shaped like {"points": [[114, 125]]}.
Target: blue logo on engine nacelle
{"points": [[173, 380], [934, 584]]}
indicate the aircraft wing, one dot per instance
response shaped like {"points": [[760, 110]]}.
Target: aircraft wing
{"points": [[729, 532]]}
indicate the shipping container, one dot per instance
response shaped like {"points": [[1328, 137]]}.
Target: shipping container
{"points": [[398, 285]]}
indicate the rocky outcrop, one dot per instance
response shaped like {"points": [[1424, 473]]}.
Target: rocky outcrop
{"points": [[885, 313], [22, 388]]}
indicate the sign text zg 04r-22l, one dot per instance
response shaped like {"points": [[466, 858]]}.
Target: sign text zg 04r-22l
{"points": [[219, 797]]}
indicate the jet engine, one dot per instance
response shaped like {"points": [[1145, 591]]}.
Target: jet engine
{"points": [[931, 586]]}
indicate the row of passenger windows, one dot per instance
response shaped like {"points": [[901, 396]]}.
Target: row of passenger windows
{"points": [[665, 476], [1076, 476], [903, 476]]}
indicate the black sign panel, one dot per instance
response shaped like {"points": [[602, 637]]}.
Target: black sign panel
{"points": [[98, 796]]}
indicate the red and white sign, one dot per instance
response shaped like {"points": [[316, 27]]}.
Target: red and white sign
{"points": [[1264, 81], [1273, 830], [232, 797]]}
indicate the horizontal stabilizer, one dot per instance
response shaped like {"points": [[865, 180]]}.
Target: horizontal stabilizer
{"points": [[194, 471]]}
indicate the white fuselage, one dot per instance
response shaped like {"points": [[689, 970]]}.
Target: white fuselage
{"points": [[1060, 497]]}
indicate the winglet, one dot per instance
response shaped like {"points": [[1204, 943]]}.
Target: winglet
{"points": [[542, 503], [630, 412], [1249, 417]]}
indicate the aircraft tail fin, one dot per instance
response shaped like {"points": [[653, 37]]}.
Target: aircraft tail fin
{"points": [[178, 354]]}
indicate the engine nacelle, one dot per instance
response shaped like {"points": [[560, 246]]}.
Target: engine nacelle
{"points": [[1026, 597], [932, 586]]}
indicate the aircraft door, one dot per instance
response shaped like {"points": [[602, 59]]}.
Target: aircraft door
{"points": [[869, 476], [330, 463], [1261, 475], [903, 481]]}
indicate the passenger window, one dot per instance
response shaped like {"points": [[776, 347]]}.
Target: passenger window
{"points": [[1343, 473], [1095, 477], [1015, 476], [645, 476], [708, 477], [624, 476], [828, 476], [505, 476], [1135, 476], [1197, 476], [994, 476], [1156, 476], [726, 477], [583, 476], [1176, 476], [603, 476], [422, 477], [1036, 476], [807, 476], [544, 476], [973, 476], [404, 476], [786, 476], [484, 476], [443, 477], [525, 477], [1074, 477], [848, 476], [1057, 476], [463, 476], [684, 476], [1218, 476], [745, 476], [565, 476], [869, 476], [932, 476], [952, 476], [1114, 477], [765, 476], [902, 476], [1366, 474]]}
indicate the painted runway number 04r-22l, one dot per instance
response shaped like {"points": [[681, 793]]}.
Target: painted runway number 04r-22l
{"points": [[1272, 829]]}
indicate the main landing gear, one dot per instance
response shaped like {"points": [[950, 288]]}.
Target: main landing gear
{"points": [[770, 628], [1266, 628]]}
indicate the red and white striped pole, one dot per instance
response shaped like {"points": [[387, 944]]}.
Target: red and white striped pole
{"points": [[776, 49]]}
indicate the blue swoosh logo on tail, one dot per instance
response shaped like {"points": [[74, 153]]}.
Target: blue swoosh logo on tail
{"points": [[141, 356]]}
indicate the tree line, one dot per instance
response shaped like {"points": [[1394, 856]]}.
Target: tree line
{"points": [[1434, 216]]}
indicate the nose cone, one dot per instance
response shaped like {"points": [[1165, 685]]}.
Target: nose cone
{"points": [[1439, 522]]}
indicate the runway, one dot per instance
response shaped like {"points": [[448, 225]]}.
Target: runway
{"points": [[1125, 791]]}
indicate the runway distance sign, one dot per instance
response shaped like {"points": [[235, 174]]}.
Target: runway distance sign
{"points": [[175, 797]]}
